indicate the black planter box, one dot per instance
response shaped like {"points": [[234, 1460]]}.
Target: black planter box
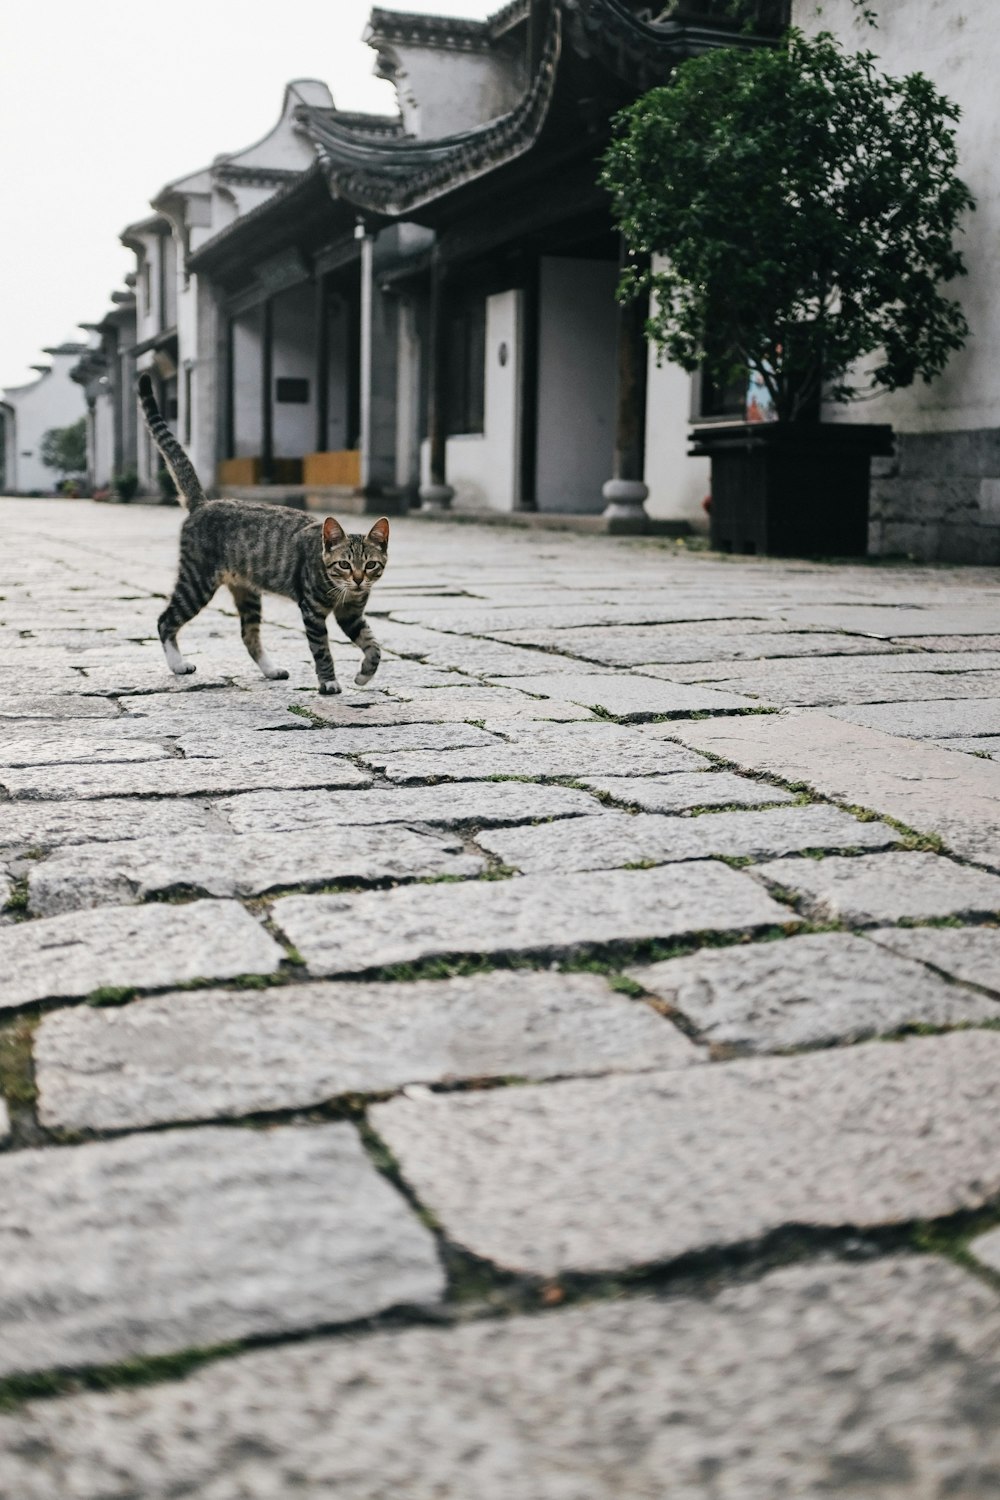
{"points": [[790, 489]]}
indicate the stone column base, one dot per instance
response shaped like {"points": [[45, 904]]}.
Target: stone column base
{"points": [[436, 496], [626, 502]]}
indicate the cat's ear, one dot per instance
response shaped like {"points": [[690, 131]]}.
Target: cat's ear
{"points": [[379, 533], [333, 532]]}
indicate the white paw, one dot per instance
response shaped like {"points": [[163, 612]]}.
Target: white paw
{"points": [[183, 668], [276, 674], [363, 679], [329, 688]]}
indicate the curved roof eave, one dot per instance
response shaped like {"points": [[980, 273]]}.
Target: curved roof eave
{"points": [[395, 179]]}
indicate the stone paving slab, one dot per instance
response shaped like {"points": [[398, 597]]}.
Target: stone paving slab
{"points": [[951, 642], [971, 954], [195, 1237], [533, 1178], [221, 864], [637, 645], [984, 745], [174, 778], [442, 706], [571, 755], [986, 1249], [897, 621], [217, 1053], [826, 1379], [890, 887], [35, 825], [934, 791], [928, 721], [483, 803], [824, 682], [528, 914], [629, 697], [148, 947], [489, 620], [68, 749], [35, 705], [151, 677], [613, 839], [684, 790], [408, 738], [808, 991]]}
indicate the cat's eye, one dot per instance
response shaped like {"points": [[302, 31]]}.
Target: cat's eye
{"points": [[345, 565], [371, 566]]}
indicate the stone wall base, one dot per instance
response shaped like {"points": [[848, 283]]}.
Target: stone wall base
{"points": [[938, 499]]}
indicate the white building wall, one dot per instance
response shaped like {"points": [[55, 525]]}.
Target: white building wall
{"points": [[294, 357], [53, 400], [484, 469], [677, 484], [958, 48], [247, 395], [441, 92], [104, 440], [577, 370]]}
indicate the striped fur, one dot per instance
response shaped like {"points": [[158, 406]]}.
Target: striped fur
{"points": [[255, 549], [173, 455]]}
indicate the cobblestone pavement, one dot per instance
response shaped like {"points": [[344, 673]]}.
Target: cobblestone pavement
{"points": [[569, 1071]]}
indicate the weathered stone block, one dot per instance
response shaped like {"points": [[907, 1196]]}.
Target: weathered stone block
{"points": [[676, 793], [886, 887], [971, 954], [605, 1174], [804, 1382], [192, 1238], [530, 914], [216, 1052], [442, 806], [809, 991], [121, 947], [221, 864], [613, 838]]}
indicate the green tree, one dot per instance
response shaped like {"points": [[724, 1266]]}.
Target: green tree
{"points": [[65, 448], [805, 206]]}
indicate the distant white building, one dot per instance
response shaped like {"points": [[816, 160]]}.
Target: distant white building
{"points": [[106, 372], [30, 411], [177, 324]]}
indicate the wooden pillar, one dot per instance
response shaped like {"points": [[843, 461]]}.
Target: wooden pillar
{"points": [[528, 395], [626, 491], [365, 352], [438, 493], [267, 395], [322, 364], [229, 428]]}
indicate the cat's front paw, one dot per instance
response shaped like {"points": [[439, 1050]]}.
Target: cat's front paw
{"points": [[329, 688], [363, 679]]}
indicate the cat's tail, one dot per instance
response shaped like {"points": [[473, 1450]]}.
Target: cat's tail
{"points": [[180, 466]]}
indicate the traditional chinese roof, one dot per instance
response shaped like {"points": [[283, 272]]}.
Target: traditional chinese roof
{"points": [[594, 56], [304, 206], [591, 58]]}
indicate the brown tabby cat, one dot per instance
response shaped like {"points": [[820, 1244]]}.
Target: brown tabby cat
{"points": [[252, 547]]}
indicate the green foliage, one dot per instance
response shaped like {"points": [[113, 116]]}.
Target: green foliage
{"points": [[65, 448], [805, 207], [126, 486]]}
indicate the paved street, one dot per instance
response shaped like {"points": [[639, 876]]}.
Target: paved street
{"points": [[568, 1070]]}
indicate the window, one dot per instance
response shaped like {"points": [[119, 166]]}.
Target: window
{"points": [[291, 390]]}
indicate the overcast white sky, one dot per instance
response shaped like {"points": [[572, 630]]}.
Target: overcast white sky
{"points": [[101, 103]]}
